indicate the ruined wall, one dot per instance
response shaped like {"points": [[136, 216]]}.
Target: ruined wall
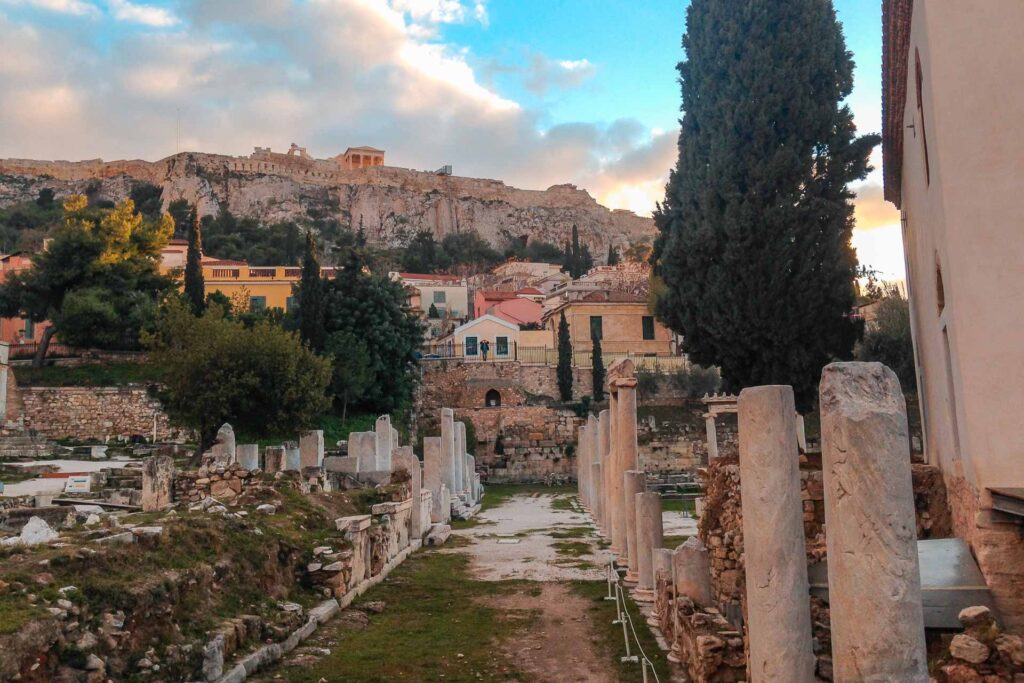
{"points": [[458, 383], [672, 438], [390, 202], [535, 441], [94, 413]]}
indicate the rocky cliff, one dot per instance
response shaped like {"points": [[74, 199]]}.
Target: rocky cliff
{"points": [[390, 202]]}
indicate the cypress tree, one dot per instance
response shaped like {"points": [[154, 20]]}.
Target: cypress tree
{"points": [[576, 259], [564, 371], [596, 367], [754, 244], [311, 298], [195, 286], [613, 255]]}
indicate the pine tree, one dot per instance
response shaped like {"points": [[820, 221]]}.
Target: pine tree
{"points": [[311, 298], [613, 255], [195, 286], [596, 366], [754, 244], [577, 256], [564, 360]]}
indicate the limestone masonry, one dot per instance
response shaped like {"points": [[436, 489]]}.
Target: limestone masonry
{"points": [[390, 202]]}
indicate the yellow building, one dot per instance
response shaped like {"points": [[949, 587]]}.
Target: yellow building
{"points": [[260, 287], [620, 320]]}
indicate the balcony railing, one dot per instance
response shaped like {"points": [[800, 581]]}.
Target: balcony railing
{"points": [[541, 355]]}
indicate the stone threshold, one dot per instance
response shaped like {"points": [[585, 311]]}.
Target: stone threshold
{"points": [[321, 614]]}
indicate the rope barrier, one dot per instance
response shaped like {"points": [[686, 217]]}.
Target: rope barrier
{"points": [[617, 592]]}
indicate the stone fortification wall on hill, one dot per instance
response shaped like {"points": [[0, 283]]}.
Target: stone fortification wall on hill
{"points": [[390, 202]]}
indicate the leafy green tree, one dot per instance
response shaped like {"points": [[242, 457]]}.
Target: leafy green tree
{"points": [[469, 252], [424, 255], [374, 309], [433, 313], [105, 260], [352, 375], [694, 381], [195, 285], [564, 369], [537, 251], [754, 244], [888, 338], [597, 366], [613, 255], [577, 260], [309, 293], [181, 212], [44, 200], [262, 379], [148, 199]]}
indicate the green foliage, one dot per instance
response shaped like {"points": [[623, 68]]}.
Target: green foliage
{"points": [[147, 199], [469, 252], [433, 313], [537, 251], [694, 381], [181, 212], [45, 199], [103, 266], [258, 244], [261, 379], [352, 376], [92, 375], [647, 382], [564, 369], [375, 310], [23, 227], [597, 367], [499, 444], [576, 260], [613, 255], [309, 293], [888, 339], [424, 255], [195, 285], [754, 244]]}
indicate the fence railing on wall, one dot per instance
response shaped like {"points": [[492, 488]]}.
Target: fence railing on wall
{"points": [[542, 355]]}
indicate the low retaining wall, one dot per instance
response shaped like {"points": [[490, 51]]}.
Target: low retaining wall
{"points": [[95, 413], [534, 442]]}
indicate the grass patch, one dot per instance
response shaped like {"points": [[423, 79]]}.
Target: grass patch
{"points": [[496, 495], [471, 523], [602, 613], [567, 503], [92, 375], [572, 532], [15, 613], [435, 613], [673, 542], [572, 548], [679, 506], [335, 430], [13, 475]]}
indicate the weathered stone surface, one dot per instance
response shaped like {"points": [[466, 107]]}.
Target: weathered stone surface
{"points": [[274, 459], [385, 445], [404, 458], [248, 456], [346, 464], [157, 482], [35, 531], [449, 469], [874, 578], [968, 648], [434, 478], [363, 447], [649, 538], [773, 531], [633, 483], [691, 570], [311, 449], [95, 413], [223, 449]]}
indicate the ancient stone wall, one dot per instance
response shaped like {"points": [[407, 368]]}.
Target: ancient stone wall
{"points": [[460, 383], [95, 413], [672, 438], [222, 483], [535, 441]]}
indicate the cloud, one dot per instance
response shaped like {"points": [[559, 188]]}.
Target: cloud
{"points": [[544, 74], [73, 7], [871, 210], [157, 17]]}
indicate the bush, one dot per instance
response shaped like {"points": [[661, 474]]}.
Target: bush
{"points": [[888, 338], [647, 383], [694, 381]]}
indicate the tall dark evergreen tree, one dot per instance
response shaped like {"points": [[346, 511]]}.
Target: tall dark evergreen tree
{"points": [[754, 245], [195, 286], [613, 255], [564, 370], [596, 366], [311, 298]]}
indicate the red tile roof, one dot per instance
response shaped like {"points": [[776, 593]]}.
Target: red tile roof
{"points": [[430, 276]]}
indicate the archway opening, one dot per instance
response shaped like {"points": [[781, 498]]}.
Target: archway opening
{"points": [[492, 399]]}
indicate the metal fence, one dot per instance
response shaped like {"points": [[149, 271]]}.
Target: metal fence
{"points": [[543, 355]]}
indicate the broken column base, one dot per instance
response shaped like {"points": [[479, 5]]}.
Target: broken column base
{"points": [[438, 534]]}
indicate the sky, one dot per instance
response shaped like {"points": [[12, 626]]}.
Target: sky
{"points": [[531, 92]]}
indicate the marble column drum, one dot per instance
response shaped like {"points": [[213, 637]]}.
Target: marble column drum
{"points": [[649, 538], [633, 482]]}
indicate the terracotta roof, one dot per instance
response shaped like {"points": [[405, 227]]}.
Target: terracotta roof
{"points": [[896, 16], [530, 291], [498, 296]]}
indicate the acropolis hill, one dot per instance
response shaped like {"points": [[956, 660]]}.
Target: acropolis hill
{"points": [[354, 186]]}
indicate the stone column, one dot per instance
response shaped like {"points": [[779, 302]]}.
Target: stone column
{"points": [[157, 482], [712, 434], [467, 472], [625, 448], [613, 480], [801, 433], [662, 559], [582, 468], [311, 448], [448, 466], [274, 459], [292, 457], [471, 476], [384, 445], [248, 455], [778, 614], [5, 359], [597, 477], [874, 580], [363, 445], [405, 459], [460, 458], [650, 536], [691, 572], [433, 475], [604, 456], [223, 449], [634, 482]]}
